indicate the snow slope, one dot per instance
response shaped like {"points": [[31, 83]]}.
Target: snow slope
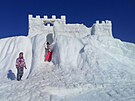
{"points": [[9, 51], [84, 67]]}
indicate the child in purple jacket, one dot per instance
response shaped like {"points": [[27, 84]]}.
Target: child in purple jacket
{"points": [[20, 64]]}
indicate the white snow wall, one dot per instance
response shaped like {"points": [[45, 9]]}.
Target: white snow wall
{"points": [[9, 52], [66, 51], [68, 44], [71, 30]]}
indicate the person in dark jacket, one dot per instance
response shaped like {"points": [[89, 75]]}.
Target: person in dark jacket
{"points": [[20, 65]]}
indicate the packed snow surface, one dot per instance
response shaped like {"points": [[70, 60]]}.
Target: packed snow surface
{"points": [[84, 67]]}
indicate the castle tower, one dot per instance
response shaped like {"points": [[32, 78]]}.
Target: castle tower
{"points": [[39, 25], [102, 29]]}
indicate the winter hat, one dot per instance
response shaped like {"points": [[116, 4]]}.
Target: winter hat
{"points": [[21, 53]]}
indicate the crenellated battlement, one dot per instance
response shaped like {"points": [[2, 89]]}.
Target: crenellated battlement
{"points": [[46, 19], [45, 25], [42, 25], [104, 22]]}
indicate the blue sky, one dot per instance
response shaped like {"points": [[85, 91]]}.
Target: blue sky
{"points": [[14, 14]]}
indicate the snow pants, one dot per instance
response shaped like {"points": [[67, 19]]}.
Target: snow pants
{"points": [[48, 56], [19, 73]]}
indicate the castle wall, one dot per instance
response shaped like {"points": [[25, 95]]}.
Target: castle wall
{"points": [[72, 30], [45, 25]]}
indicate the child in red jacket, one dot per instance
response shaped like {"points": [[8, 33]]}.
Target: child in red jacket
{"points": [[48, 56]]}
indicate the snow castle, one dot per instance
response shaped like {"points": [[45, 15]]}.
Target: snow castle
{"points": [[87, 63], [45, 25], [45, 29]]}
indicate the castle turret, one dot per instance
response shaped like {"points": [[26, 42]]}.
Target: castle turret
{"points": [[102, 29]]}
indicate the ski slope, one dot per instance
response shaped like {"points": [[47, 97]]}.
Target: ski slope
{"points": [[84, 67]]}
